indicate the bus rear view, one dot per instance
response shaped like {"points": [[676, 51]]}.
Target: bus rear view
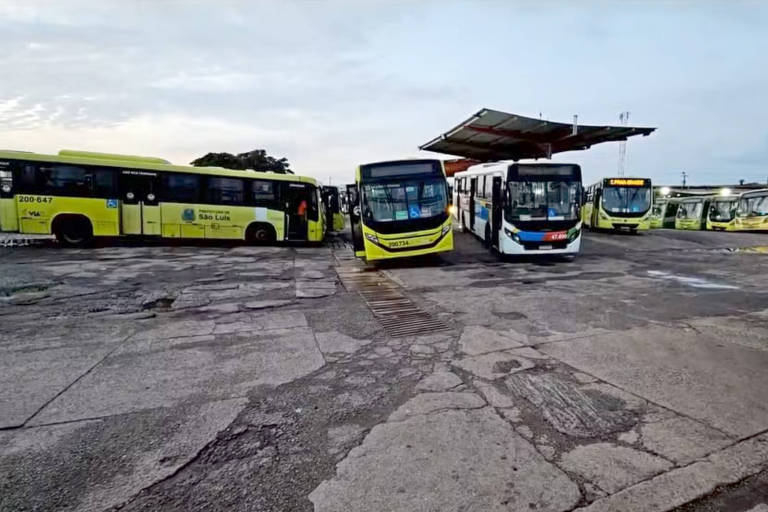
{"points": [[400, 209]]}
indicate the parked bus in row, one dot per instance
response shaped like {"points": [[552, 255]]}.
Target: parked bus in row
{"points": [[722, 213], [78, 195], [332, 202], [692, 212], [400, 209], [522, 208], [664, 212], [752, 212], [622, 204]]}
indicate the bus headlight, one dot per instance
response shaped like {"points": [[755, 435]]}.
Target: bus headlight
{"points": [[603, 216], [514, 236], [452, 210], [573, 234], [445, 230], [372, 238]]}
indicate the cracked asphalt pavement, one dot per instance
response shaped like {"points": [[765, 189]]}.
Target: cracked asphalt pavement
{"points": [[203, 377]]}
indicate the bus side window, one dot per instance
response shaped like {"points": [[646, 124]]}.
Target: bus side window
{"points": [[28, 182], [226, 191], [181, 188], [105, 183], [263, 193], [489, 187], [66, 180]]}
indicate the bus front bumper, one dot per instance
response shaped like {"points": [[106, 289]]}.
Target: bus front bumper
{"points": [[569, 245], [405, 245]]}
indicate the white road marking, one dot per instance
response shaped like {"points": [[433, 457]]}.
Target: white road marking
{"points": [[696, 282]]}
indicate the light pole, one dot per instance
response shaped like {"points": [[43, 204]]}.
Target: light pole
{"points": [[685, 176]]}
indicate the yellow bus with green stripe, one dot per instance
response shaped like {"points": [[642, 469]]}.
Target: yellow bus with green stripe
{"points": [[400, 209], [618, 204], [79, 195], [722, 213], [752, 211], [692, 212]]}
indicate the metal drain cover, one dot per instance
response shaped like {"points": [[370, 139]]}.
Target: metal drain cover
{"points": [[394, 311]]}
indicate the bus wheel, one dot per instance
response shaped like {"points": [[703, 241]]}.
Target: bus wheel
{"points": [[487, 240], [73, 230], [260, 234]]}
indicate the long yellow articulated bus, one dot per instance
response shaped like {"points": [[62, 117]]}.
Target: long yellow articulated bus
{"points": [[618, 204], [400, 209], [722, 213], [79, 195], [752, 212], [692, 213]]}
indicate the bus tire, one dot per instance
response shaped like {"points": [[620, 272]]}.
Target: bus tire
{"points": [[487, 239], [260, 233], [73, 230]]}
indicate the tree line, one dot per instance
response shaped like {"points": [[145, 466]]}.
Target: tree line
{"points": [[258, 160]]}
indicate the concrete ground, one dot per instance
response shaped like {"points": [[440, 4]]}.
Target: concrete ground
{"points": [[632, 378]]}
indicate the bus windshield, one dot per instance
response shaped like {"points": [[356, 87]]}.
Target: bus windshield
{"points": [[543, 200], [404, 199], [626, 199], [756, 206], [722, 211], [690, 210]]}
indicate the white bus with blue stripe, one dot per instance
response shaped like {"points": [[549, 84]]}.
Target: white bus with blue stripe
{"points": [[522, 208]]}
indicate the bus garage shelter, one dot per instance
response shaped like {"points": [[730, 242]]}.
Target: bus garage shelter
{"points": [[492, 135]]}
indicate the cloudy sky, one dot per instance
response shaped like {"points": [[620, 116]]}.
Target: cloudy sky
{"points": [[330, 85]]}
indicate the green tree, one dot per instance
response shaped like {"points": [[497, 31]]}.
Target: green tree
{"points": [[258, 160]]}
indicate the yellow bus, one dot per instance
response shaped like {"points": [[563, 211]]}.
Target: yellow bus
{"points": [[618, 204], [752, 212], [663, 212], [78, 195], [692, 212], [400, 209], [722, 213]]}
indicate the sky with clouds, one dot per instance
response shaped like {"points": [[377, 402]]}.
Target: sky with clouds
{"points": [[330, 85]]}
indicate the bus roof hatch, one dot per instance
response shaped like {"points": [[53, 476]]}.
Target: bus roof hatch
{"points": [[492, 135]]}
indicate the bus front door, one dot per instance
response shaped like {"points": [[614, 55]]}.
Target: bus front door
{"points": [[355, 220], [140, 210], [472, 189], [496, 211], [596, 209]]}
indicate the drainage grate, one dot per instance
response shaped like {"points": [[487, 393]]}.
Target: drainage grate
{"points": [[394, 311]]}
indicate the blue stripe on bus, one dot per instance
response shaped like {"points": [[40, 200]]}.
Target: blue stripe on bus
{"points": [[531, 236]]}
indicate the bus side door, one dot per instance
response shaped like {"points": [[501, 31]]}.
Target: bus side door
{"points": [[355, 219], [140, 210], [472, 192], [496, 198]]}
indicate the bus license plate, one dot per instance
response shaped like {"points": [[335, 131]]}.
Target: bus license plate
{"points": [[545, 247]]}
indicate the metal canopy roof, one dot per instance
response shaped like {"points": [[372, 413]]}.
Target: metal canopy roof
{"points": [[491, 135]]}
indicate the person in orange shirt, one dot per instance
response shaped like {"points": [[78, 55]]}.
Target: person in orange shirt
{"points": [[302, 210]]}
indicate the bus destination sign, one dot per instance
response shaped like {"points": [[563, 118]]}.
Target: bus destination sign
{"points": [[626, 182]]}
